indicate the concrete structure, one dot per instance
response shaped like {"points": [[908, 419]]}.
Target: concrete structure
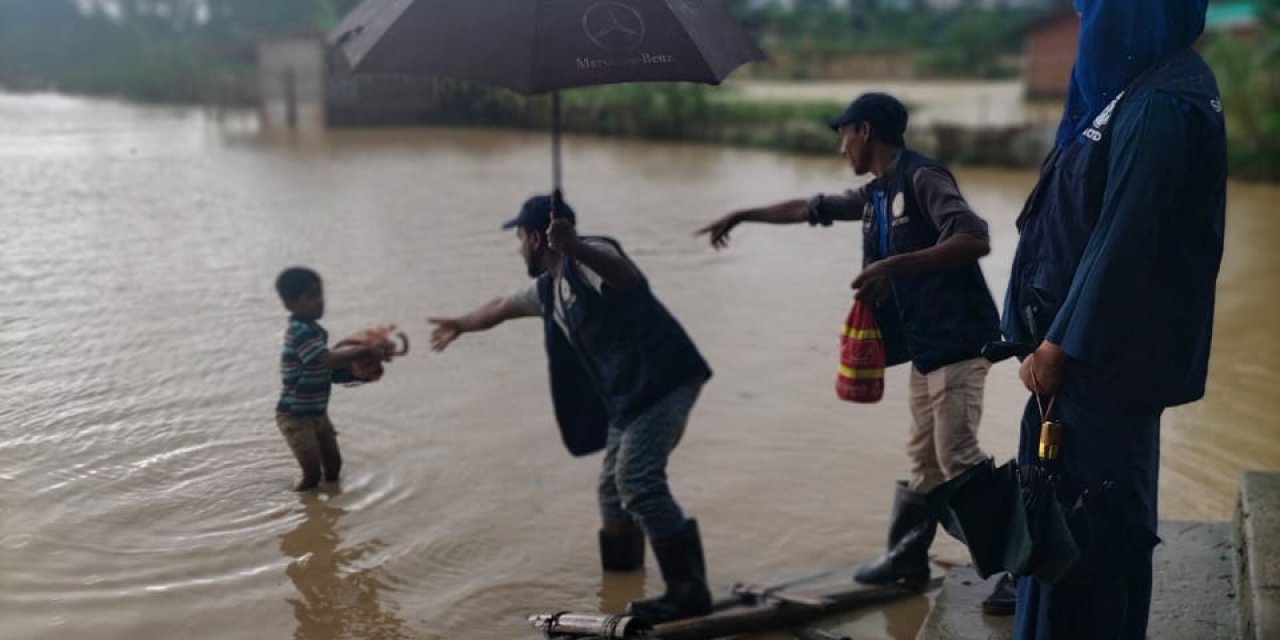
{"points": [[1049, 47], [1258, 557], [291, 82], [1213, 580], [792, 65]]}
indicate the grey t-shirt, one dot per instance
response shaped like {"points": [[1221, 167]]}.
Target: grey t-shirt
{"points": [[934, 189], [526, 300]]}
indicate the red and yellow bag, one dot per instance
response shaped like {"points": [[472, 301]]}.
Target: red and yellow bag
{"points": [[860, 376]]}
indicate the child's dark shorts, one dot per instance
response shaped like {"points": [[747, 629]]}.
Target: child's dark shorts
{"points": [[303, 433]]}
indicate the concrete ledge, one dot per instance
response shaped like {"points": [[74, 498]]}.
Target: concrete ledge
{"points": [[957, 611], [1258, 562], [1194, 593]]}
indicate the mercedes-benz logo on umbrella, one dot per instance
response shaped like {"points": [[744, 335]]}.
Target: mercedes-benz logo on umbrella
{"points": [[613, 26]]}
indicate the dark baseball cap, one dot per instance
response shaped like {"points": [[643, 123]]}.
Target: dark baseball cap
{"points": [[885, 113], [536, 213]]}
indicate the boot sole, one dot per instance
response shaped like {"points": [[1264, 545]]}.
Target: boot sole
{"points": [[914, 583], [997, 610]]}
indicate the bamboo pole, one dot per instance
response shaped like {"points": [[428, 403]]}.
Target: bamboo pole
{"points": [[817, 634], [779, 615]]}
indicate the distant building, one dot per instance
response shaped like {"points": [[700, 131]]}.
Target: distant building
{"points": [[291, 82], [1050, 43], [1239, 19], [1049, 49]]}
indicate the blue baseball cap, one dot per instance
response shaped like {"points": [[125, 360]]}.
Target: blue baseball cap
{"points": [[536, 213], [885, 113]]}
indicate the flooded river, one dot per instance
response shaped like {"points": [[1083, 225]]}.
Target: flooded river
{"points": [[144, 489]]}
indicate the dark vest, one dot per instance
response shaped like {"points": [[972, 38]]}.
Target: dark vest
{"points": [[626, 353], [931, 319], [1165, 361]]}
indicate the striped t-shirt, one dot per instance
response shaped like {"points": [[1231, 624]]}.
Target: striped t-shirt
{"points": [[306, 381]]}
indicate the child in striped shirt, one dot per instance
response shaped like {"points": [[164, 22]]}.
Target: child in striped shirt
{"points": [[308, 368]]}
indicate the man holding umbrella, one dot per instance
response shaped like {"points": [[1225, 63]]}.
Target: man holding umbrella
{"points": [[1114, 279], [624, 377], [921, 245], [624, 374]]}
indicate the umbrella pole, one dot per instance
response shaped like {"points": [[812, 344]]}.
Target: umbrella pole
{"points": [[556, 196]]}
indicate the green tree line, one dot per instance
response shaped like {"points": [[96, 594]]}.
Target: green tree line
{"points": [[170, 50], [968, 40], [203, 51], [197, 50], [1248, 73]]}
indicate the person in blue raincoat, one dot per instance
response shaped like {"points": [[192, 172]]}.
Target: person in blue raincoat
{"points": [[1114, 278]]}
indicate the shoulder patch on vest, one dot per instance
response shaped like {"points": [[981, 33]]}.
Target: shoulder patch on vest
{"points": [[1094, 133], [567, 297]]}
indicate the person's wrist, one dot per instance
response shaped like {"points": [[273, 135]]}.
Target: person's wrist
{"points": [[889, 266], [1052, 353]]}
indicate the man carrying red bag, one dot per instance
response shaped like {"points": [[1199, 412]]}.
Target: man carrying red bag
{"points": [[930, 302]]}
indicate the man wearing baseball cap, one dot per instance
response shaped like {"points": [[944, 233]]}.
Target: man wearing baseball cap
{"points": [[920, 248], [624, 378]]}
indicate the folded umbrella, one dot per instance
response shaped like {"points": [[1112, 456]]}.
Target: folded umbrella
{"points": [[1012, 518], [982, 507]]}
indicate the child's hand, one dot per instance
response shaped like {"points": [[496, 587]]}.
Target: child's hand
{"points": [[385, 349]]}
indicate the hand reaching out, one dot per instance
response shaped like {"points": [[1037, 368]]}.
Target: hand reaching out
{"points": [[719, 230], [446, 331]]}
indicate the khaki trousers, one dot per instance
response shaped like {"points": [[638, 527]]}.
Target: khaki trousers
{"points": [[946, 407]]}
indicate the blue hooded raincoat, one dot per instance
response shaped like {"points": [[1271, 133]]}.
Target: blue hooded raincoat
{"points": [[1117, 261]]}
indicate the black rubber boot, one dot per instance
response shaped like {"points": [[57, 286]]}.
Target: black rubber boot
{"points": [[685, 572], [1003, 598], [622, 552], [906, 560]]}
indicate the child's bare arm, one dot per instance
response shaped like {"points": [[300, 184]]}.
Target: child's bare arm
{"points": [[342, 357]]}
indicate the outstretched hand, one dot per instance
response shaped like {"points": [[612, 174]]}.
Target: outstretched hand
{"points": [[446, 331], [719, 230]]}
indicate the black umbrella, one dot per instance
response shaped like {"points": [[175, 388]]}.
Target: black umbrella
{"points": [[1052, 550], [982, 507], [1013, 518], [539, 46]]}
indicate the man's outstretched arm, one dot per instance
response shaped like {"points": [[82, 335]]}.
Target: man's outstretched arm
{"points": [[486, 317], [820, 210]]}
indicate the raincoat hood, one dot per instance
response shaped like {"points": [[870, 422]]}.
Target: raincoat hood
{"points": [[1119, 40]]}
